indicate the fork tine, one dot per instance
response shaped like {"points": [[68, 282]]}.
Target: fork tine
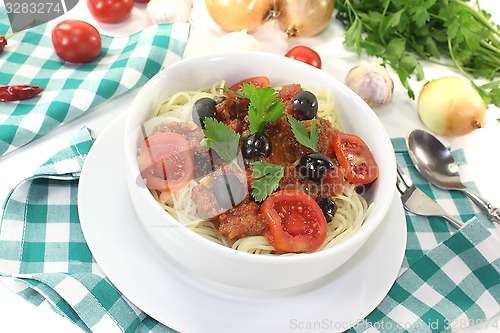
{"points": [[417, 202], [400, 185], [404, 177]]}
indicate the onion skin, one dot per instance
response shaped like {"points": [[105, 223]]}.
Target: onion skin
{"points": [[236, 15], [303, 18], [450, 106]]}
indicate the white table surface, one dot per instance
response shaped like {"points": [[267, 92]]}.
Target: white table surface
{"points": [[399, 117]]}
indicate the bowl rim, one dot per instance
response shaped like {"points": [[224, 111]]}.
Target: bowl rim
{"points": [[355, 241]]}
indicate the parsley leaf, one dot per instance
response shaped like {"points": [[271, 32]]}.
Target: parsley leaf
{"points": [[301, 134], [264, 106], [222, 139], [269, 176]]}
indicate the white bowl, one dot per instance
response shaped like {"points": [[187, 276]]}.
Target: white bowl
{"points": [[222, 264]]}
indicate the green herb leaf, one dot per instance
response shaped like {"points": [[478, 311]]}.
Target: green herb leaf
{"points": [[264, 106], [301, 134], [353, 35], [222, 139], [269, 176]]}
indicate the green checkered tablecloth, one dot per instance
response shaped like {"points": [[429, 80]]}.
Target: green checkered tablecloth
{"points": [[71, 90], [449, 278]]}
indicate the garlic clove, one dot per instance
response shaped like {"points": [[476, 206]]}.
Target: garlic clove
{"points": [[169, 11], [372, 82], [239, 40]]}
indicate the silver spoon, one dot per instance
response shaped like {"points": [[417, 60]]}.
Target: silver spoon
{"points": [[436, 164]]}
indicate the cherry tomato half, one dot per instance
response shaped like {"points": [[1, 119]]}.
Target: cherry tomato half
{"points": [[355, 158], [166, 162], [110, 11], [76, 41], [258, 81], [295, 222], [305, 54]]}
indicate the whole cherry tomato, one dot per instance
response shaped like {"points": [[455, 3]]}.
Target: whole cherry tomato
{"points": [[110, 11], [76, 41], [305, 54]]}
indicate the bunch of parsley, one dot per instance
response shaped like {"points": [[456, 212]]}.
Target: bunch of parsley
{"points": [[403, 33]]}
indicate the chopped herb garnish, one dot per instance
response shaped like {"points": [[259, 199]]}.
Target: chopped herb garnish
{"points": [[264, 106], [301, 134], [268, 177], [222, 139]]}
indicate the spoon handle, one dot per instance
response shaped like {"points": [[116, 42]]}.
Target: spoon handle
{"points": [[493, 212]]}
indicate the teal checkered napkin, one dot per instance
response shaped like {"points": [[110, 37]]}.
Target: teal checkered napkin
{"points": [[71, 90], [44, 256], [450, 279]]}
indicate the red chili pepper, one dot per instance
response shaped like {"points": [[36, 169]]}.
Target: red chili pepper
{"points": [[18, 92], [3, 42]]}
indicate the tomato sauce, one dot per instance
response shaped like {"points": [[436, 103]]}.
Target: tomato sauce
{"points": [[245, 219]]}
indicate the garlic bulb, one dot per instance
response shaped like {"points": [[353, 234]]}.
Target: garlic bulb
{"points": [[169, 11], [372, 82], [239, 40]]}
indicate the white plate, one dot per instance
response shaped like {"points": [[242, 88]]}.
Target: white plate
{"points": [[186, 303]]}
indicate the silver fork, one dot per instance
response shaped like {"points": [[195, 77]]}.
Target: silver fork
{"points": [[417, 202]]}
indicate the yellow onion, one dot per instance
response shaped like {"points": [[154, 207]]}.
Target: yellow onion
{"points": [[451, 106], [303, 17], [236, 15]]}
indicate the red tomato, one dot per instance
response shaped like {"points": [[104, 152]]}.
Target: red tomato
{"points": [[76, 41], [305, 54], [355, 158], [258, 81], [295, 222], [110, 11], [166, 162]]}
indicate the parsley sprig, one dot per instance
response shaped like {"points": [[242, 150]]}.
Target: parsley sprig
{"points": [[299, 129], [268, 177], [264, 106], [403, 35], [222, 139]]}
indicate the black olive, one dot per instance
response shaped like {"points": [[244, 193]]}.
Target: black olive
{"points": [[203, 108], [256, 144], [329, 208], [202, 165], [313, 166], [306, 104], [228, 191]]}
